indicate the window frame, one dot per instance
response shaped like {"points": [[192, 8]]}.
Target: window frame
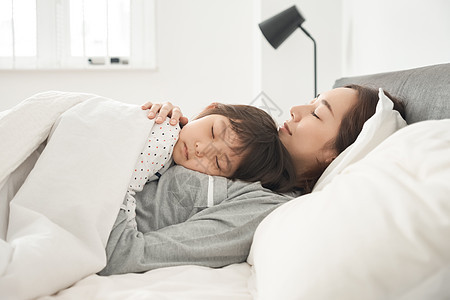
{"points": [[53, 40]]}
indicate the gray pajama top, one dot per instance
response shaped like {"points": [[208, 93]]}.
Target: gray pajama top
{"points": [[187, 217]]}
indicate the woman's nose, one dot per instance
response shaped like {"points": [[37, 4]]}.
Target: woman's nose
{"points": [[296, 113]]}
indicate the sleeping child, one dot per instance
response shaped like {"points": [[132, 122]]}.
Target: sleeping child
{"points": [[233, 141], [199, 193]]}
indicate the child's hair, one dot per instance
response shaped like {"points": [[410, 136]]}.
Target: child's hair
{"points": [[265, 158]]}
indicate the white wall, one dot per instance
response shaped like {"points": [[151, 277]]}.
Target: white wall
{"points": [[388, 35]]}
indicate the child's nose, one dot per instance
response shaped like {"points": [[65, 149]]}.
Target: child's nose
{"points": [[198, 150], [203, 149]]}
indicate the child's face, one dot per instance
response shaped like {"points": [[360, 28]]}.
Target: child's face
{"points": [[206, 145]]}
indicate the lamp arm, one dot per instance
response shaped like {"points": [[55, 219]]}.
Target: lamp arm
{"points": [[315, 59]]}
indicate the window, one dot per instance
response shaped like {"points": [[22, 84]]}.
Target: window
{"points": [[61, 34]]}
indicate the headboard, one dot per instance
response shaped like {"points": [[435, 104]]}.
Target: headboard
{"points": [[425, 90]]}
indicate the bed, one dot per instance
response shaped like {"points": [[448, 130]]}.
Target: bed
{"points": [[375, 227]]}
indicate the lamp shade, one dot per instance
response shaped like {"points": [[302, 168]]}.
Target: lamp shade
{"points": [[277, 29]]}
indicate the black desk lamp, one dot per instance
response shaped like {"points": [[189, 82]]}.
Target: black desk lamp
{"points": [[281, 26]]}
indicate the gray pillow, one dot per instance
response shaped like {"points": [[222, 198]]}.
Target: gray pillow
{"points": [[425, 90]]}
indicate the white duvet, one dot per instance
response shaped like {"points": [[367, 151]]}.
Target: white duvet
{"points": [[55, 228]]}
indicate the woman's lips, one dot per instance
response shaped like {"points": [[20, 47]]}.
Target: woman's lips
{"points": [[286, 128]]}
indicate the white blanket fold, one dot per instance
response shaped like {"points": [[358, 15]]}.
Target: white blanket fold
{"points": [[60, 219]]}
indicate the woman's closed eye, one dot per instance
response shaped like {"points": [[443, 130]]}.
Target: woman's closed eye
{"points": [[313, 113]]}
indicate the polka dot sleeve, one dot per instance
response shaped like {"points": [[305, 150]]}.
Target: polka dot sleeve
{"points": [[153, 160], [156, 155]]}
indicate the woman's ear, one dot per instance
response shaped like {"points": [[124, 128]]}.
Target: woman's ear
{"points": [[329, 160], [329, 155]]}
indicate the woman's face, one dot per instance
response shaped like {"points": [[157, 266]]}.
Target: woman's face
{"points": [[313, 125], [206, 145]]}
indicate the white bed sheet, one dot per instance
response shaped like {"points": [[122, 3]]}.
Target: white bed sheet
{"points": [[182, 282]]}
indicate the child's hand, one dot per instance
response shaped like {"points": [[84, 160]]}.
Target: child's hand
{"points": [[163, 110]]}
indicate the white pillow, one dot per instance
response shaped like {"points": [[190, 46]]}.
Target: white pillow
{"points": [[376, 129], [379, 230]]}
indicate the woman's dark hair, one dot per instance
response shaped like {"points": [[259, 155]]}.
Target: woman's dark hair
{"points": [[351, 126], [353, 121], [265, 158]]}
